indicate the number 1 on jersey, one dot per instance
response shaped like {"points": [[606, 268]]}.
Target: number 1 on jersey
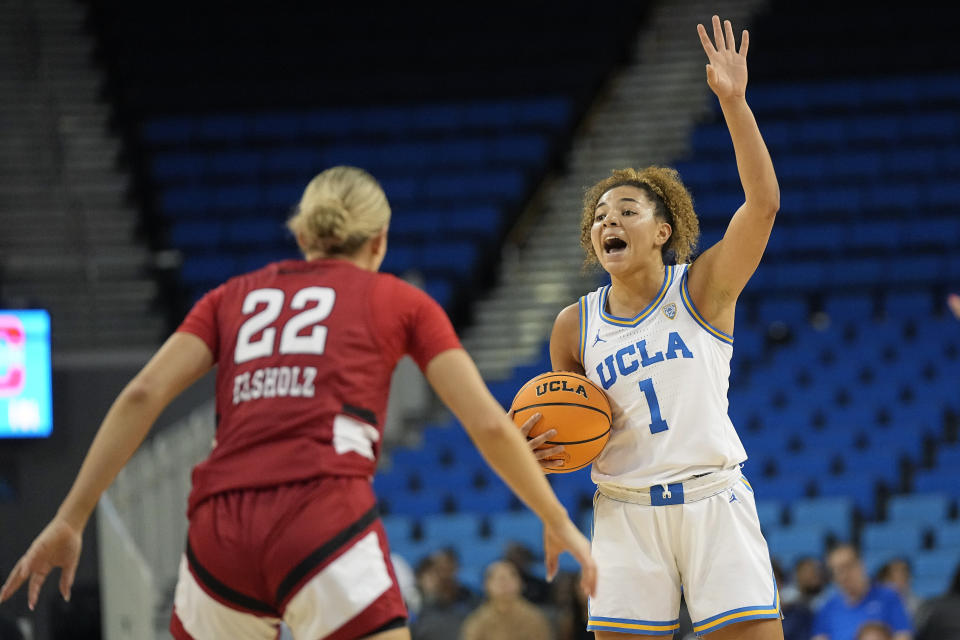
{"points": [[657, 423]]}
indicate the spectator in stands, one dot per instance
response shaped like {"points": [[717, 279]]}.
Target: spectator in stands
{"points": [[797, 614], [506, 614], [953, 302], [570, 609], [445, 602], [807, 585], [874, 631], [535, 589], [857, 601], [897, 575], [939, 618]]}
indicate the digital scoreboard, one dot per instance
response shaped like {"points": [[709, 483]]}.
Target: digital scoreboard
{"points": [[26, 399]]}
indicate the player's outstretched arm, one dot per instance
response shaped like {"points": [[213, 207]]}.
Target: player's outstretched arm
{"points": [[456, 380], [722, 271], [175, 366]]}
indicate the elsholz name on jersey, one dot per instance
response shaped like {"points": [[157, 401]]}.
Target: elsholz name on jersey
{"points": [[274, 382]]}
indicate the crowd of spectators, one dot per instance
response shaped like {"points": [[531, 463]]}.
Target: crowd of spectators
{"points": [[833, 598]]}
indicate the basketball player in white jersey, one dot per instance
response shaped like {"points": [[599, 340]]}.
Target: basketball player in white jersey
{"points": [[673, 511]]}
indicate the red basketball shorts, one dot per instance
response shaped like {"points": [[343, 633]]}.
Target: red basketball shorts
{"points": [[313, 555]]}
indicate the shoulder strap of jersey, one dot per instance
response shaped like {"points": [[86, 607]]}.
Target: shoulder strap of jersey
{"points": [[692, 310]]}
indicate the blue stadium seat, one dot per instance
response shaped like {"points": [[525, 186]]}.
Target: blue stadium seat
{"points": [[948, 457], [450, 529], [399, 528], [791, 310], [880, 465], [423, 457], [947, 536], [793, 542], [770, 513], [899, 537], [833, 514], [903, 442], [933, 571], [808, 464], [491, 499], [937, 480], [927, 509], [786, 488], [416, 504], [235, 164], [858, 486], [207, 271], [520, 526], [413, 551], [858, 307]]}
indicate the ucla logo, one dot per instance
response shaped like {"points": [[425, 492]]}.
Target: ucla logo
{"points": [[670, 310], [560, 385]]}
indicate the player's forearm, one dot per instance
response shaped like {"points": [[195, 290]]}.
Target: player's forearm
{"points": [[757, 175], [123, 430]]}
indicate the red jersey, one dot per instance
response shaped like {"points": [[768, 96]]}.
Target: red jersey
{"points": [[305, 353]]}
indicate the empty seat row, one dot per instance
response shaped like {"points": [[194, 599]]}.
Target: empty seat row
{"points": [[347, 123], [504, 150]]}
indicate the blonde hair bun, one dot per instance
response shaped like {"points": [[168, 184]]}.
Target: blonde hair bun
{"points": [[341, 208]]}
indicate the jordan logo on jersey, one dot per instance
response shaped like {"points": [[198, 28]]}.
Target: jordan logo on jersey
{"points": [[598, 339], [632, 357]]}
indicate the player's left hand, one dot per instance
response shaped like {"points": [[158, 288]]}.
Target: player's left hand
{"points": [[727, 69], [58, 545], [538, 445]]}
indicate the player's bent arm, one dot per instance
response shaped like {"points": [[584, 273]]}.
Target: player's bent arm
{"points": [[176, 365], [180, 362], [456, 380], [565, 341], [719, 275]]}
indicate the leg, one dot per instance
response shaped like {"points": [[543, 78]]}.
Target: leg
{"points": [[198, 616], [638, 594], [751, 630]]}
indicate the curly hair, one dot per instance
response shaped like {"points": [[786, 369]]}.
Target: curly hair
{"points": [[671, 200]]}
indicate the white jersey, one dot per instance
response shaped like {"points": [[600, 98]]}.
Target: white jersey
{"points": [[666, 372]]}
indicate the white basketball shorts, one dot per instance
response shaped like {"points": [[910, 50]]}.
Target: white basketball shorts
{"points": [[702, 536]]}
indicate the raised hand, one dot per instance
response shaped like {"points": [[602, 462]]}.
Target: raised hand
{"points": [[727, 69], [58, 545]]}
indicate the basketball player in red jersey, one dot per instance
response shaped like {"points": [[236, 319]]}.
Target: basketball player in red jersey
{"points": [[283, 520]]}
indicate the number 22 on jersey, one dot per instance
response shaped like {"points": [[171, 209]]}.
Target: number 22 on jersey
{"points": [[291, 342]]}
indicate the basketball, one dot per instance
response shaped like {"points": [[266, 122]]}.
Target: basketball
{"points": [[574, 406]]}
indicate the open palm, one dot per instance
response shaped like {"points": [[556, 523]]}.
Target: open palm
{"points": [[727, 70]]}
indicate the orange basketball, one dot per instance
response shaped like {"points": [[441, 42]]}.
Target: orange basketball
{"points": [[577, 408]]}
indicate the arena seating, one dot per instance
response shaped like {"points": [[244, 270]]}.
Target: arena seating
{"points": [[229, 125]]}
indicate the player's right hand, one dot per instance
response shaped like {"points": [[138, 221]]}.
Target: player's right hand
{"points": [[541, 450], [58, 545], [566, 537]]}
